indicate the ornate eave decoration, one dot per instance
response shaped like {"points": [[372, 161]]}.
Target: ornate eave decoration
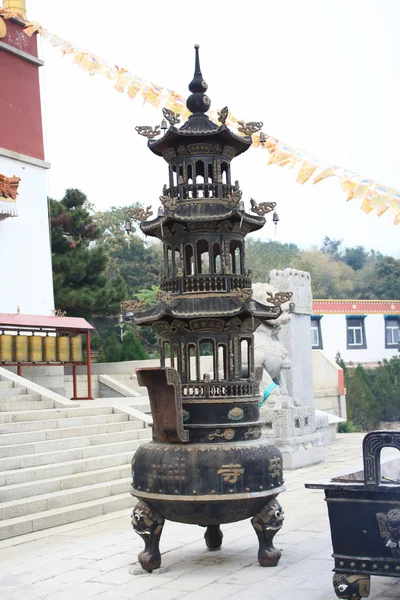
{"points": [[140, 214], [8, 196]]}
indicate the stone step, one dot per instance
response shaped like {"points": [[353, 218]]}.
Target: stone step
{"points": [[61, 516], [63, 469], [70, 454], [11, 391], [55, 413], [26, 404], [82, 441], [28, 489], [16, 397], [43, 502], [32, 426], [66, 432], [6, 385]]}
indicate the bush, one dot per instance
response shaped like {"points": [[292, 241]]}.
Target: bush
{"points": [[347, 427], [113, 349]]}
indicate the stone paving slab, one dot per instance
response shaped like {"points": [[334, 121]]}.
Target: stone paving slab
{"points": [[97, 558]]}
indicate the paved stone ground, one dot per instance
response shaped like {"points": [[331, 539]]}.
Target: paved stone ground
{"points": [[97, 558]]}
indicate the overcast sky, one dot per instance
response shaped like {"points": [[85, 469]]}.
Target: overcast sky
{"points": [[321, 75]]}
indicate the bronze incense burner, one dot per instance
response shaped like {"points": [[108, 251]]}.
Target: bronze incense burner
{"points": [[207, 464]]}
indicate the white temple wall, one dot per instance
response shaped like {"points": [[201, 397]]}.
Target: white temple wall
{"points": [[334, 340], [25, 254]]}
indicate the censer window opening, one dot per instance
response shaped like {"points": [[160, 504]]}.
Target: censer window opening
{"points": [[169, 261], [236, 257], [174, 176], [190, 173], [192, 362], [180, 174], [217, 262], [189, 178], [189, 259], [245, 353], [203, 258], [210, 173], [200, 176], [166, 352], [175, 357], [177, 261], [225, 173], [222, 362], [207, 349]]}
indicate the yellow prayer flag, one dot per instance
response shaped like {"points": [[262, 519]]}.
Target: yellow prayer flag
{"points": [[56, 41], [395, 206], [151, 93], [78, 57], [123, 79], [67, 48], [362, 188], [348, 186], [134, 87], [306, 170], [327, 172]]}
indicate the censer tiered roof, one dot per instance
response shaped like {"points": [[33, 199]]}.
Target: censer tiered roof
{"points": [[214, 207]]}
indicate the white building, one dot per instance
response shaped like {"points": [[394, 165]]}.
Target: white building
{"points": [[25, 264], [363, 331]]}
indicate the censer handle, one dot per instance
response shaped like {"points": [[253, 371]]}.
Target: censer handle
{"points": [[372, 447], [164, 387]]}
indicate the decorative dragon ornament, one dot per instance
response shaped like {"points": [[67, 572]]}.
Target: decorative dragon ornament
{"points": [[172, 118], [147, 131]]}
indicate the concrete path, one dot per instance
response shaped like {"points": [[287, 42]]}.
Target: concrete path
{"points": [[97, 558]]}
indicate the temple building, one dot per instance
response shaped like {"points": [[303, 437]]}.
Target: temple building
{"points": [[25, 265]]}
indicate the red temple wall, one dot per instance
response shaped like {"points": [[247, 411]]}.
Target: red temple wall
{"points": [[20, 110]]}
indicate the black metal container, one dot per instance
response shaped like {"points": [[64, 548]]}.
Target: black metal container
{"points": [[364, 516], [206, 464]]}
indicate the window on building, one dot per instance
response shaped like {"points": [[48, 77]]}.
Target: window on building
{"points": [[392, 336], [355, 333], [316, 334]]}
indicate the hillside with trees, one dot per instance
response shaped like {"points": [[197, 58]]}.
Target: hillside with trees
{"points": [[96, 265]]}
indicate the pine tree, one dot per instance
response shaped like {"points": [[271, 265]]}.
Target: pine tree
{"points": [[362, 407], [81, 285]]}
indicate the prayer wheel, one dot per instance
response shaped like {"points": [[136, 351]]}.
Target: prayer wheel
{"points": [[63, 352], [21, 348], [76, 348], [50, 348], [36, 348], [6, 347]]}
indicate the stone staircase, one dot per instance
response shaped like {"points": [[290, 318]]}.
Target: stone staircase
{"points": [[61, 465]]}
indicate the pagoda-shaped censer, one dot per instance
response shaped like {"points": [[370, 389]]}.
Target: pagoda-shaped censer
{"points": [[206, 464]]}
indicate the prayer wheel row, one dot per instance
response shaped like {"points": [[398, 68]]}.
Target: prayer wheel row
{"points": [[37, 348]]}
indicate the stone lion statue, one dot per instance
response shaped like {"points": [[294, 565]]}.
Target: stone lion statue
{"points": [[270, 353]]}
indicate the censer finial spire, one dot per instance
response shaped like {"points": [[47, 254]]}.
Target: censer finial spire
{"points": [[198, 102]]}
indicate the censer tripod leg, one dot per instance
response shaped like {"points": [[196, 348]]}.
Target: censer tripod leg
{"points": [[266, 524], [213, 537], [149, 525]]}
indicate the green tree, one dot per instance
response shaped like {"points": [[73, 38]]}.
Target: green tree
{"points": [[356, 257], [330, 278], [262, 257], [362, 407], [114, 349], [82, 286], [139, 262], [332, 246], [388, 278]]}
